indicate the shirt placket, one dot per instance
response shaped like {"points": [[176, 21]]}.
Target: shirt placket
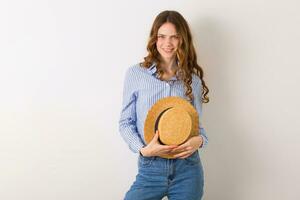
{"points": [[170, 87]]}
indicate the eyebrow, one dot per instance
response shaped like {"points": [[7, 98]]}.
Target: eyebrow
{"points": [[166, 35]]}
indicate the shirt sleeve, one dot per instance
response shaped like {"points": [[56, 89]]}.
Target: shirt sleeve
{"points": [[198, 105], [127, 121]]}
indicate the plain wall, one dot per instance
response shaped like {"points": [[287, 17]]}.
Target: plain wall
{"points": [[62, 68]]}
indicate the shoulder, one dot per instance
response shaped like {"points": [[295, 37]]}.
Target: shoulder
{"points": [[135, 73], [135, 70]]}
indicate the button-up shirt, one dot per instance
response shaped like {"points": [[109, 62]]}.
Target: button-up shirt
{"points": [[142, 88]]}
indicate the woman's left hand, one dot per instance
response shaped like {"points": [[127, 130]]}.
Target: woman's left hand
{"points": [[188, 148]]}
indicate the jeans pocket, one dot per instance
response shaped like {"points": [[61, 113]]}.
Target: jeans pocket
{"points": [[193, 159], [145, 161]]}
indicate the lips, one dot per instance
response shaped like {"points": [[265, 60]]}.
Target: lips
{"points": [[168, 50]]}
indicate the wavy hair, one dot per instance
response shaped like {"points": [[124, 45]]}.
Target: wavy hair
{"points": [[186, 55]]}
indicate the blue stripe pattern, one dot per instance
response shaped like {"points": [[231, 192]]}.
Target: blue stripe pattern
{"points": [[142, 89]]}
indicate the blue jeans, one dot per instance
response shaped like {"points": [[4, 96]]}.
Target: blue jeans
{"points": [[178, 179]]}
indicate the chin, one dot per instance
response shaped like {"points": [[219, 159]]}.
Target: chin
{"points": [[167, 56]]}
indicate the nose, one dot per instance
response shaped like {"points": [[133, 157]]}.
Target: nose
{"points": [[168, 42]]}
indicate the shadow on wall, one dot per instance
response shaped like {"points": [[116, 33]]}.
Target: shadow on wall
{"points": [[227, 164]]}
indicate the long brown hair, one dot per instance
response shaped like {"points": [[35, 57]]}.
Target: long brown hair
{"points": [[186, 54]]}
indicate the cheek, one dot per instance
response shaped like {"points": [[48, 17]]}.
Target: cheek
{"points": [[176, 44], [158, 44]]}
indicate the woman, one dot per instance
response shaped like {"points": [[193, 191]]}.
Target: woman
{"points": [[169, 69]]}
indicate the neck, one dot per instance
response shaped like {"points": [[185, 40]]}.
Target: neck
{"points": [[169, 66]]}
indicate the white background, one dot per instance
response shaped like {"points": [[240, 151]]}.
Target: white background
{"points": [[62, 66]]}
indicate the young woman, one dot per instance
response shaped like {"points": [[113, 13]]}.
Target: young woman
{"points": [[169, 69]]}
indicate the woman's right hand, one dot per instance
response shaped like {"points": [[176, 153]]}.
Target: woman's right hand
{"points": [[154, 148]]}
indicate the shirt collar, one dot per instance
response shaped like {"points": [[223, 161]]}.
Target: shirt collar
{"points": [[153, 71]]}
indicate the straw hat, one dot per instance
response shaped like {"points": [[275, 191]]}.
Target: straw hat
{"points": [[176, 120]]}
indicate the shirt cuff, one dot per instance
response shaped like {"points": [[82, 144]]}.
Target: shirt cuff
{"points": [[136, 147], [204, 143]]}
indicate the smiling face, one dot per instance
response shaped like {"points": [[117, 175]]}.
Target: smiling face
{"points": [[167, 41]]}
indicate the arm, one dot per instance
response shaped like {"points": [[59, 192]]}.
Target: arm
{"points": [[198, 106], [127, 121]]}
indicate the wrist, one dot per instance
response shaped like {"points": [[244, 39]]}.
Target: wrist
{"points": [[143, 152], [201, 141]]}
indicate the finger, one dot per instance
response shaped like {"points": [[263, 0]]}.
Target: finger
{"points": [[189, 148], [155, 137], [166, 148], [186, 156], [181, 147], [183, 150], [182, 154], [162, 151], [171, 146], [165, 151]]}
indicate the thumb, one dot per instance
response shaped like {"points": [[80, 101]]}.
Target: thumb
{"points": [[155, 137]]}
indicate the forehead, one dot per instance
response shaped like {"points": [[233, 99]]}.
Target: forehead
{"points": [[167, 29]]}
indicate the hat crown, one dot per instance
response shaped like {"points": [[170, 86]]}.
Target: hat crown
{"points": [[174, 126]]}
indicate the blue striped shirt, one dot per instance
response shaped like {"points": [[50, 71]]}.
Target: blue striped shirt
{"points": [[142, 89]]}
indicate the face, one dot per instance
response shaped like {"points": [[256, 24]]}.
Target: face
{"points": [[167, 41]]}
